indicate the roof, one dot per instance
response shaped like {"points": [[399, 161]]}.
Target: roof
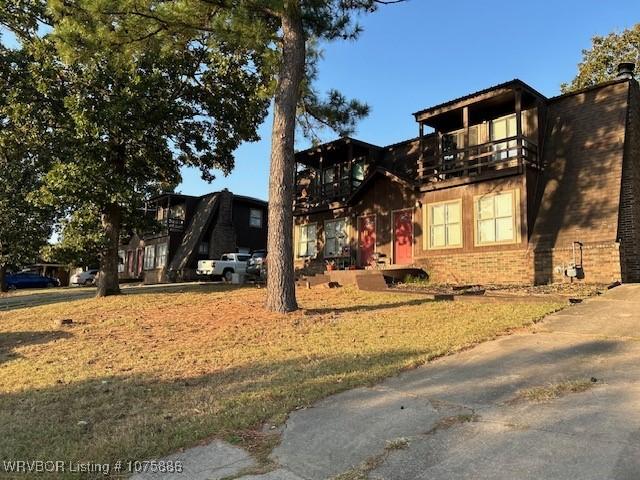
{"points": [[379, 172], [506, 85], [336, 143], [250, 199]]}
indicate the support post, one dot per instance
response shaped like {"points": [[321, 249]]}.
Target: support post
{"points": [[466, 151], [518, 105]]}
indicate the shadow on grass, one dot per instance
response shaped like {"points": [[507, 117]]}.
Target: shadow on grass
{"points": [[37, 299], [140, 417], [369, 308], [11, 340]]}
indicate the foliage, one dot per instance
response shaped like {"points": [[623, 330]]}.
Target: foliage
{"points": [[24, 156], [600, 62]]}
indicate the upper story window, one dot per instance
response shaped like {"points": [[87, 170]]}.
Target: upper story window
{"points": [[496, 218], [503, 127], [307, 240], [335, 237], [177, 211], [203, 248], [358, 172], [445, 224], [255, 218], [161, 213]]}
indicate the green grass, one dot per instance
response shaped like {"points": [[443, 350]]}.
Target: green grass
{"points": [[153, 373]]}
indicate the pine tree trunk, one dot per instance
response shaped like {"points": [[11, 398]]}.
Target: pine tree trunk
{"points": [[281, 293], [108, 282], [3, 274]]}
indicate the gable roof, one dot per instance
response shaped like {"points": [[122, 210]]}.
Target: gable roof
{"points": [[379, 172]]}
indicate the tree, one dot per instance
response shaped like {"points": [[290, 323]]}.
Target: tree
{"points": [[283, 35], [132, 120], [24, 226], [600, 62]]}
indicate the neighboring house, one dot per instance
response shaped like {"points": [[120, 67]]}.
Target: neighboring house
{"points": [[193, 228], [501, 186]]}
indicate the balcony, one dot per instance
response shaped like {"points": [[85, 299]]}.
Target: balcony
{"points": [[485, 159]]}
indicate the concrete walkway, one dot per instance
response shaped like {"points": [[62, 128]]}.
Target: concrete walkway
{"points": [[462, 417]]}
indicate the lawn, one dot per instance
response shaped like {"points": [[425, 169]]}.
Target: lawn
{"points": [[138, 376]]}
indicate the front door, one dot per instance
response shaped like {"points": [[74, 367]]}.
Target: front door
{"points": [[403, 237], [366, 239]]}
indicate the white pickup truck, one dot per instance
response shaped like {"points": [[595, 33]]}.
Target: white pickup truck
{"points": [[228, 264]]}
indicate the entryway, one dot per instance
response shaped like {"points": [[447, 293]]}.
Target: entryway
{"points": [[403, 237]]}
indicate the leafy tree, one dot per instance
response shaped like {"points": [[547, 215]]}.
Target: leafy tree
{"points": [[600, 62], [24, 226], [132, 120], [283, 35]]}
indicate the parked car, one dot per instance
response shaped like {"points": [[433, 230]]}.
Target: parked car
{"points": [[256, 265], [228, 264], [88, 277], [30, 280]]}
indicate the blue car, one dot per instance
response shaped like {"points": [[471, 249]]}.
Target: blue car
{"points": [[30, 280]]}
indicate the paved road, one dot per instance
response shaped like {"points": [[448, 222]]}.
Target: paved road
{"points": [[458, 419], [35, 298]]}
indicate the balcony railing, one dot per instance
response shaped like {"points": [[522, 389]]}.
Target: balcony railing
{"points": [[175, 224], [480, 159]]}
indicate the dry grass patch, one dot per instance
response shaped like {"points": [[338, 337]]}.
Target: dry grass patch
{"points": [[552, 391], [143, 375]]}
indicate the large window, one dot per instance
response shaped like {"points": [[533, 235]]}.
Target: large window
{"points": [[335, 238], [445, 224], [496, 218], [503, 128], [149, 257], [307, 240], [255, 218], [161, 255]]}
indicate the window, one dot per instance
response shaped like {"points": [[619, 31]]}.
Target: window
{"points": [[358, 172], [149, 257], [121, 260], [335, 238], [496, 219], [255, 218], [445, 224], [177, 211], [203, 248], [307, 241], [243, 258], [161, 255], [503, 127]]}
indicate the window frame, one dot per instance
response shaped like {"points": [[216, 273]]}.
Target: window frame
{"points": [[251, 217], [429, 223], [149, 261], [515, 212], [299, 240], [326, 242], [158, 263]]}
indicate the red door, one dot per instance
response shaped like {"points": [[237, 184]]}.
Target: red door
{"points": [[367, 238], [403, 237]]}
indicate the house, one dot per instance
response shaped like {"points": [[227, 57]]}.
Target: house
{"points": [[500, 186], [192, 229]]}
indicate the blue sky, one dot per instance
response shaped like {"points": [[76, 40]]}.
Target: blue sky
{"points": [[423, 52]]}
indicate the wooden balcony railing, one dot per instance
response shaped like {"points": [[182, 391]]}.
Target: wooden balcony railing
{"points": [[479, 159]]}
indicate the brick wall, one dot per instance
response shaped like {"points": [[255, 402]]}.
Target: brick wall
{"points": [[629, 221]]}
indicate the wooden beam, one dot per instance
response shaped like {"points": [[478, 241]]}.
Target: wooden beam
{"points": [[518, 102]]}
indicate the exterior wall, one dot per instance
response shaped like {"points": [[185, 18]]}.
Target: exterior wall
{"points": [[248, 237], [471, 263], [629, 221], [583, 157]]}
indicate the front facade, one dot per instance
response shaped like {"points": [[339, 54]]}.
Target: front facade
{"points": [[193, 229], [501, 186]]}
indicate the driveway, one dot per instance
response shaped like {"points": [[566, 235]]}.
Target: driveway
{"points": [[464, 416]]}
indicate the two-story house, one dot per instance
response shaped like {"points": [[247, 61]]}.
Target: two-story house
{"points": [[193, 229], [500, 186]]}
